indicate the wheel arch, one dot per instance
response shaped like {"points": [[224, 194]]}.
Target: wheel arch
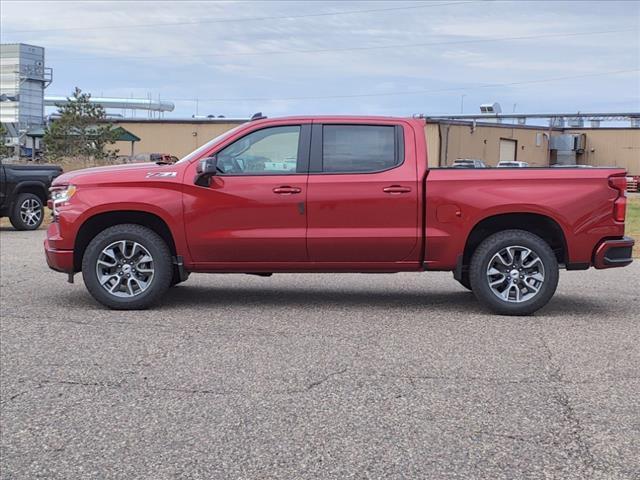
{"points": [[539, 224], [36, 188], [101, 221]]}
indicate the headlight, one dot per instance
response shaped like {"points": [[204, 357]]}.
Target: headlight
{"points": [[61, 195]]}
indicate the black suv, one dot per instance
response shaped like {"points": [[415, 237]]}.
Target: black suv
{"points": [[24, 190]]}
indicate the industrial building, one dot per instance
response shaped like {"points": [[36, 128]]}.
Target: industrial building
{"points": [[449, 138], [23, 79], [493, 140]]}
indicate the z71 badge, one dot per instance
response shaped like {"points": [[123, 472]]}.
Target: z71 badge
{"points": [[162, 174]]}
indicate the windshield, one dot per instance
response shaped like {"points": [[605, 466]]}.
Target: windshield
{"points": [[203, 148]]}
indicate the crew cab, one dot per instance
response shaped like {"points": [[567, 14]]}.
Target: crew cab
{"points": [[24, 190], [333, 194]]}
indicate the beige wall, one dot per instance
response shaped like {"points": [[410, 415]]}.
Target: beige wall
{"points": [[483, 142], [432, 133], [605, 147], [174, 138], [612, 147]]}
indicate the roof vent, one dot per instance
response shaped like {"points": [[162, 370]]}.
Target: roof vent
{"points": [[490, 108]]}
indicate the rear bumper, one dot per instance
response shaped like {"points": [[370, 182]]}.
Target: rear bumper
{"points": [[58, 260], [614, 253]]}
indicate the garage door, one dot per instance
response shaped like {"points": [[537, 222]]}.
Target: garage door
{"points": [[507, 150]]}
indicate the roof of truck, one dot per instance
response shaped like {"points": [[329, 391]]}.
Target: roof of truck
{"points": [[333, 118]]}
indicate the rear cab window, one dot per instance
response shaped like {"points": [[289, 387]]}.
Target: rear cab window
{"points": [[356, 148]]}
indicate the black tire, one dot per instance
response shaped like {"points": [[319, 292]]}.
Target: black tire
{"points": [[162, 266], [27, 202], [495, 244]]}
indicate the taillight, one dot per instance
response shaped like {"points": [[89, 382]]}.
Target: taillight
{"points": [[620, 204]]}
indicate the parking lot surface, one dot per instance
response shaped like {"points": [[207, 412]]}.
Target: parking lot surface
{"points": [[316, 376]]}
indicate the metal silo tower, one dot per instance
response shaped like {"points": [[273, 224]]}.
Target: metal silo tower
{"points": [[23, 78]]}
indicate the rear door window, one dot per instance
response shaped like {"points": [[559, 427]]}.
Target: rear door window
{"points": [[359, 148]]}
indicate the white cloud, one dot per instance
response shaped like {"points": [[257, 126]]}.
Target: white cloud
{"points": [[187, 65]]}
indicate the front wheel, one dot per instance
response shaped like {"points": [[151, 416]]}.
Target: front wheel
{"points": [[514, 272], [127, 267]]}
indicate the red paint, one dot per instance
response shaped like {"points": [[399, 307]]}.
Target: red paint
{"points": [[340, 222], [601, 259]]}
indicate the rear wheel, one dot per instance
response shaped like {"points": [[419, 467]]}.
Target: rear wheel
{"points": [[27, 212], [514, 273], [127, 267]]}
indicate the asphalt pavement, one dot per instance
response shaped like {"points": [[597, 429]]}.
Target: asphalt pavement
{"points": [[315, 376]]}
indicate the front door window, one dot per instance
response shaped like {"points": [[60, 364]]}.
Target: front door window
{"points": [[271, 151]]}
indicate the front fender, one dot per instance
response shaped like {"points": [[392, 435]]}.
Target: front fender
{"points": [[164, 202]]}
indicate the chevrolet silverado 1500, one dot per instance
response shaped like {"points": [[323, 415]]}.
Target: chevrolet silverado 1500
{"points": [[333, 194]]}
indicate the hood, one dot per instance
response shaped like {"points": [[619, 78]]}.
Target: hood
{"points": [[113, 173]]}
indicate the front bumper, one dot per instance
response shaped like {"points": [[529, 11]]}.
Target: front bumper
{"points": [[614, 253], [58, 260]]}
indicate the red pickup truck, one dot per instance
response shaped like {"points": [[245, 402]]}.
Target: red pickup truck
{"points": [[333, 194]]}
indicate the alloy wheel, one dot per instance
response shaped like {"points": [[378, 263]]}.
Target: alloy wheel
{"points": [[31, 212], [515, 274], [125, 268]]}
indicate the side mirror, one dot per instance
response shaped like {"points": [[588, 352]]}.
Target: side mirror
{"points": [[207, 168]]}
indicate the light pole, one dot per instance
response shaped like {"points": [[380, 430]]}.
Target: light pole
{"points": [[462, 102]]}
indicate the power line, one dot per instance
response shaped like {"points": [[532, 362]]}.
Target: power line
{"points": [[245, 19], [350, 49], [412, 92]]}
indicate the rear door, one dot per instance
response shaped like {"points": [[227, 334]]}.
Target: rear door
{"points": [[362, 195]]}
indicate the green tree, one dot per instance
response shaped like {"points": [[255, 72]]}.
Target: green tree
{"points": [[4, 150], [81, 131]]}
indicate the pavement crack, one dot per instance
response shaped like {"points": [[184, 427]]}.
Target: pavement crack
{"points": [[518, 438], [19, 394], [79, 383], [191, 391], [569, 415], [462, 378], [318, 382]]}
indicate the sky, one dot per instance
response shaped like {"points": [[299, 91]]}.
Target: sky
{"points": [[322, 57]]}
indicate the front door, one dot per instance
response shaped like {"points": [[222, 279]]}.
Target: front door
{"points": [[253, 211], [362, 197]]}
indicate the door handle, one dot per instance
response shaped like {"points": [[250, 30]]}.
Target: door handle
{"points": [[396, 189], [286, 190]]}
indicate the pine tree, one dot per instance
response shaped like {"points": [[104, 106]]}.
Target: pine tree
{"points": [[80, 131], [4, 150]]}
